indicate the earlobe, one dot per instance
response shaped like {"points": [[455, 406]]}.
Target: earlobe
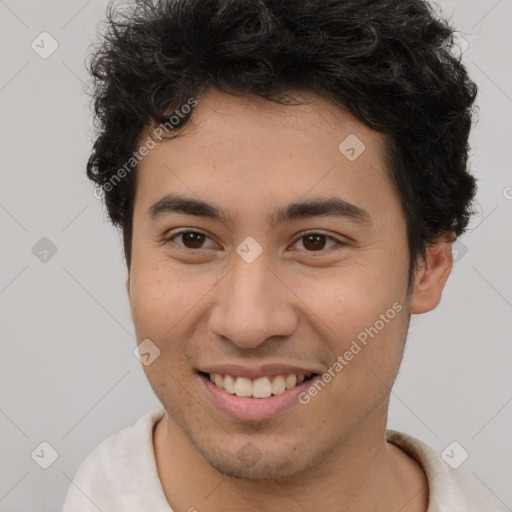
{"points": [[432, 275]]}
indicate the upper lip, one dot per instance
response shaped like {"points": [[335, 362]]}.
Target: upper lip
{"points": [[248, 372]]}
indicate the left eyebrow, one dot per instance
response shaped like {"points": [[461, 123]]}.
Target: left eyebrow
{"points": [[321, 207], [331, 206]]}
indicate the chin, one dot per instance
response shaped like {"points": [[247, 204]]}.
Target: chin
{"points": [[268, 466], [251, 451]]}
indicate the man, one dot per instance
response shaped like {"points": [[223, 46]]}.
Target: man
{"points": [[289, 177]]}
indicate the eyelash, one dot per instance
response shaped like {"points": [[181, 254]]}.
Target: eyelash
{"points": [[171, 238]]}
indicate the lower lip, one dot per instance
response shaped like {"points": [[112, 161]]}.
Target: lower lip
{"points": [[254, 409]]}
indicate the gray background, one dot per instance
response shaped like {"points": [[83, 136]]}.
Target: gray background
{"points": [[68, 375]]}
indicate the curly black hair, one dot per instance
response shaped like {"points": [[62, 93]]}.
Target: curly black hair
{"points": [[390, 63]]}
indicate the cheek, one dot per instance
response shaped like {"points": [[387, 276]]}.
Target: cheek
{"points": [[359, 311], [162, 295], [156, 300], [349, 298]]}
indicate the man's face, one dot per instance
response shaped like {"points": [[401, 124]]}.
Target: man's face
{"points": [[210, 301]]}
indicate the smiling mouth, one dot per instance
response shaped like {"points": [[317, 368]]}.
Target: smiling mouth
{"points": [[262, 387]]}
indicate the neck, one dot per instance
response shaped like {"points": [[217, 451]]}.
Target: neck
{"points": [[363, 473]]}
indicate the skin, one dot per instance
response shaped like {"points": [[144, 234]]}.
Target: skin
{"points": [[293, 304]]}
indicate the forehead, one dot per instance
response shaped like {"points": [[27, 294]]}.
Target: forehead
{"points": [[252, 151], [219, 116]]}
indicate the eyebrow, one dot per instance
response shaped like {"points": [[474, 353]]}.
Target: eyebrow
{"points": [[331, 206]]}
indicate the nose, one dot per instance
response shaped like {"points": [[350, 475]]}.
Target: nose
{"points": [[253, 304]]}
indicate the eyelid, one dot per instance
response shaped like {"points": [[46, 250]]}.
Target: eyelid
{"points": [[315, 232]]}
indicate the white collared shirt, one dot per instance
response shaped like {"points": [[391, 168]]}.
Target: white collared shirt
{"points": [[120, 475]]}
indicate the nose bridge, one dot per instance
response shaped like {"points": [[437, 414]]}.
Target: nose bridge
{"points": [[253, 305]]}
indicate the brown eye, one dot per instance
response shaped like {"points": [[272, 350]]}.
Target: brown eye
{"points": [[316, 242], [193, 240], [189, 239]]}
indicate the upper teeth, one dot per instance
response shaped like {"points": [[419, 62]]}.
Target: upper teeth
{"points": [[257, 388]]}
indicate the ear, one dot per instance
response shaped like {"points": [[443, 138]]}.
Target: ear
{"points": [[432, 275], [129, 296]]}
